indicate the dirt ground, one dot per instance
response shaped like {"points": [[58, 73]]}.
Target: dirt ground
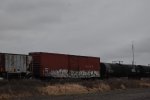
{"points": [[36, 89], [130, 94]]}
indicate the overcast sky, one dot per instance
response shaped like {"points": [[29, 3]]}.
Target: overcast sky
{"points": [[102, 28]]}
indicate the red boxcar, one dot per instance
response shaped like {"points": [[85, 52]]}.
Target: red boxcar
{"points": [[64, 66]]}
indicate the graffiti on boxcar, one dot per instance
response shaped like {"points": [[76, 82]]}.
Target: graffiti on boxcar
{"points": [[59, 73], [65, 73], [84, 74], [70, 73], [88, 74], [56, 73], [73, 74]]}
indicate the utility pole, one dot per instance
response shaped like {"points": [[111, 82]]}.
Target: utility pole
{"points": [[133, 53]]}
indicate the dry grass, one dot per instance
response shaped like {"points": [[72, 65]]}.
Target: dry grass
{"points": [[59, 89], [19, 88], [24, 88]]}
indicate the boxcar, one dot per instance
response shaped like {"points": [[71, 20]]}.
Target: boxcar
{"points": [[14, 65], [53, 65]]}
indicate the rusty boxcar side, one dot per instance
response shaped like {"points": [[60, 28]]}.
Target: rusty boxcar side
{"points": [[2, 63], [84, 66], [64, 66], [36, 64], [49, 65]]}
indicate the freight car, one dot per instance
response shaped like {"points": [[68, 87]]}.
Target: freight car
{"points": [[14, 65], [143, 71], [52, 65], [43, 65], [109, 70], [115, 70]]}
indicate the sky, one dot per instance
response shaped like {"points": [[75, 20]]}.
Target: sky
{"points": [[101, 28]]}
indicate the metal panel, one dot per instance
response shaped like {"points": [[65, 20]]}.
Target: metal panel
{"points": [[73, 63], [54, 65], [36, 64], [15, 63], [2, 63], [50, 64], [89, 67], [61, 65], [73, 66], [84, 67]]}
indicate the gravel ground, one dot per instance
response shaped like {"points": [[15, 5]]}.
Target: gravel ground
{"points": [[131, 94]]}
